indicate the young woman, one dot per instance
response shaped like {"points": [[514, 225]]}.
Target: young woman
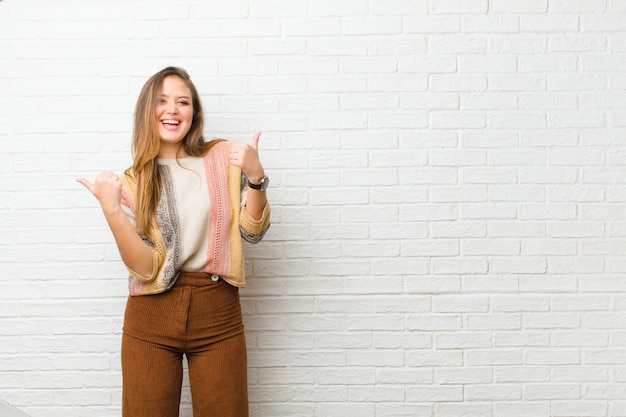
{"points": [[179, 216]]}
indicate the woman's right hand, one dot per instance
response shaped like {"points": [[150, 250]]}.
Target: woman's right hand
{"points": [[107, 188], [136, 254]]}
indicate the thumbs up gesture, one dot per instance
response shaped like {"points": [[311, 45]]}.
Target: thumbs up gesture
{"points": [[246, 157], [107, 188]]}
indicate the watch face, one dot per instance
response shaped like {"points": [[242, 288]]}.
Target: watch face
{"points": [[264, 183]]}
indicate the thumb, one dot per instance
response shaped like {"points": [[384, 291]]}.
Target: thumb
{"points": [[255, 140], [88, 185]]}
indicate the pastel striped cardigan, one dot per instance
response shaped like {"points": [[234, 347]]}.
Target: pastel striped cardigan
{"points": [[229, 225]]}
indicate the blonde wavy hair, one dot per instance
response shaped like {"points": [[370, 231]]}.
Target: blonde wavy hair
{"points": [[146, 144]]}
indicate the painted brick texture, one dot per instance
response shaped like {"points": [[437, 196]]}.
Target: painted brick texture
{"points": [[448, 191]]}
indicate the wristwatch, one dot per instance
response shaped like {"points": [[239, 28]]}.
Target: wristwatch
{"points": [[260, 186]]}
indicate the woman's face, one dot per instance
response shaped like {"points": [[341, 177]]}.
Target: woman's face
{"points": [[174, 113]]}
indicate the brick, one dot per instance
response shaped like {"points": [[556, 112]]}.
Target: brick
{"points": [[435, 393], [491, 23], [493, 392], [398, 46], [465, 340], [401, 340], [499, 321], [377, 25], [549, 23], [376, 394], [311, 27], [490, 246], [565, 6], [519, 304], [360, 358], [551, 283], [278, 8], [579, 408], [462, 83], [439, 322], [499, 357], [463, 409], [339, 8], [432, 284], [522, 339], [455, 303], [539, 247], [364, 376], [466, 229], [445, 247], [464, 194], [600, 23], [454, 44], [361, 101], [416, 212], [404, 376], [510, 120], [577, 43], [432, 24], [533, 6], [587, 339], [525, 373], [399, 7], [460, 6]]}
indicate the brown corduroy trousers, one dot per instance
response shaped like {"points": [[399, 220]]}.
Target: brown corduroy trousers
{"points": [[199, 318]]}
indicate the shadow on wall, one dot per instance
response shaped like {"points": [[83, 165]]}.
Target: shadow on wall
{"points": [[7, 411]]}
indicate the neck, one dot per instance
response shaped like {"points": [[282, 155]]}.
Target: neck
{"points": [[172, 152]]}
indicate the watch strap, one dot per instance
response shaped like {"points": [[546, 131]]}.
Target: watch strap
{"points": [[260, 186]]}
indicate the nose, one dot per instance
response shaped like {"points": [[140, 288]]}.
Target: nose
{"points": [[169, 107]]}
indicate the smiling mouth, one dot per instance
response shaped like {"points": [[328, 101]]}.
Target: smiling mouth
{"points": [[170, 122]]}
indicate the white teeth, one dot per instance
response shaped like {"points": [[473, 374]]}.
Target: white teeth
{"points": [[171, 122]]}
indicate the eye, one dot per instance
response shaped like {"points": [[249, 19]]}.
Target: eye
{"points": [[183, 102]]}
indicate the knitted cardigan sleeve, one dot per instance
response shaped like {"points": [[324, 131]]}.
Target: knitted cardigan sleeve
{"points": [[139, 284]]}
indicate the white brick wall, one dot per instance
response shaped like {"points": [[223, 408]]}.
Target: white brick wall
{"points": [[449, 207]]}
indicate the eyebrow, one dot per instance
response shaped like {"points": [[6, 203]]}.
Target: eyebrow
{"points": [[165, 95]]}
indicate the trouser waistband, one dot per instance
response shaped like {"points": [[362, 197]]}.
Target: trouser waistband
{"points": [[196, 279]]}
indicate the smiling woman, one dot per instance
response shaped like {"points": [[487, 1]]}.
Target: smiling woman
{"points": [[179, 217]]}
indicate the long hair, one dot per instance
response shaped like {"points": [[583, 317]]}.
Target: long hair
{"points": [[146, 144]]}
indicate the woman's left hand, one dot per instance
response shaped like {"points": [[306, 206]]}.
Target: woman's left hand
{"points": [[246, 157]]}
